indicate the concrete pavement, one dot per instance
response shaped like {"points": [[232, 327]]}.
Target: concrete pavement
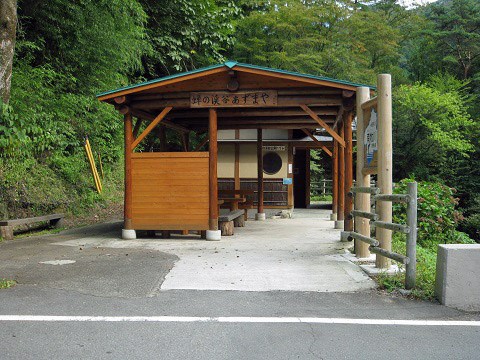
{"points": [[298, 254]]}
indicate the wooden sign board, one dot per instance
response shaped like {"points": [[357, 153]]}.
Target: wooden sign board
{"points": [[223, 99], [370, 141]]}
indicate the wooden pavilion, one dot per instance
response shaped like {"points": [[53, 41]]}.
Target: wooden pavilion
{"points": [[179, 190]]}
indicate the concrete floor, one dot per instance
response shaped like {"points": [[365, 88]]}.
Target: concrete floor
{"points": [[298, 254]]}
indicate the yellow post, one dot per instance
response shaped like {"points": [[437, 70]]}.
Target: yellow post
{"points": [[94, 166]]}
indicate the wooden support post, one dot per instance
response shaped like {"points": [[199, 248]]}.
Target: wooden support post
{"points": [[236, 174], [334, 181], [307, 177], [341, 179], [290, 170], [362, 200], [260, 171], [347, 130], [384, 208], [185, 140], [128, 135], [162, 134], [213, 155]]}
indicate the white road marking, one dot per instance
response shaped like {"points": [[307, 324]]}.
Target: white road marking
{"points": [[233, 319], [58, 262]]}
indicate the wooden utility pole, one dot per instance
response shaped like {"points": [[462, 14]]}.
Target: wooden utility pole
{"points": [[347, 130], [384, 208], [362, 200], [213, 156], [8, 33]]}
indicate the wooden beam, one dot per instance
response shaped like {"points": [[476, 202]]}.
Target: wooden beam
{"points": [[323, 147], [256, 126], [323, 124], [137, 127], [254, 112], [128, 138], [149, 128], [285, 100], [120, 99], [260, 120], [260, 170], [213, 159], [148, 116]]}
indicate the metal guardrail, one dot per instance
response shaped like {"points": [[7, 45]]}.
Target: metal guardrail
{"points": [[410, 229]]}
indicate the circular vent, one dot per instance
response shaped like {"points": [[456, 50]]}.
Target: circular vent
{"points": [[272, 163]]}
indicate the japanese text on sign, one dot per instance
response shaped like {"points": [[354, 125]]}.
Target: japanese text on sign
{"points": [[236, 99]]}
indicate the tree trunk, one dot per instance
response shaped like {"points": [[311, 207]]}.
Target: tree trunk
{"points": [[8, 28]]}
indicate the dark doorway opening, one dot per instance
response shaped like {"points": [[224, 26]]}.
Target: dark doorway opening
{"points": [[301, 178]]}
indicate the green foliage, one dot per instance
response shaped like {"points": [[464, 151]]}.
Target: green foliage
{"points": [[431, 124], [185, 34], [97, 43], [437, 215]]}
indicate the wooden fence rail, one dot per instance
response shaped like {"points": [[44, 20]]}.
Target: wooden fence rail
{"points": [[410, 229]]}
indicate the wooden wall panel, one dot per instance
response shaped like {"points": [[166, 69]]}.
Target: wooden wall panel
{"points": [[170, 191]]}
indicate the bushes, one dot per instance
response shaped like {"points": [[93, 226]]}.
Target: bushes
{"points": [[437, 214], [437, 222]]}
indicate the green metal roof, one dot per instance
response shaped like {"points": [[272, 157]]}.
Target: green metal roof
{"points": [[231, 64]]}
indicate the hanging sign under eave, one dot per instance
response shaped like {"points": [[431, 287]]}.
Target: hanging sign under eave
{"points": [[219, 99]]}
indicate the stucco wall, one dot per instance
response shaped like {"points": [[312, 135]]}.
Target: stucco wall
{"points": [[248, 161], [226, 161]]}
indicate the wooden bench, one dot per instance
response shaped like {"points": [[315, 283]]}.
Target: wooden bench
{"points": [[6, 226], [228, 221], [248, 204]]}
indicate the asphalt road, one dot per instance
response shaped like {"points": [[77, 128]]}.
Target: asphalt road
{"points": [[204, 339]]}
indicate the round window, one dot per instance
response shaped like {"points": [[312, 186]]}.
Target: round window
{"points": [[272, 163]]}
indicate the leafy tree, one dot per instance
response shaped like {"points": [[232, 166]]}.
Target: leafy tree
{"points": [[457, 32], [185, 34], [431, 126]]}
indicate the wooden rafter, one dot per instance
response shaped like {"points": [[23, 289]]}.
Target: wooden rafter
{"points": [[150, 127], [137, 127], [323, 147], [323, 124], [165, 122]]}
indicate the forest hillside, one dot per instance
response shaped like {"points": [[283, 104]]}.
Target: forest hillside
{"points": [[57, 55]]}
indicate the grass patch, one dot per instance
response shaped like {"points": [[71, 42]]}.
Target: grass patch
{"points": [[5, 284], [321, 198]]}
